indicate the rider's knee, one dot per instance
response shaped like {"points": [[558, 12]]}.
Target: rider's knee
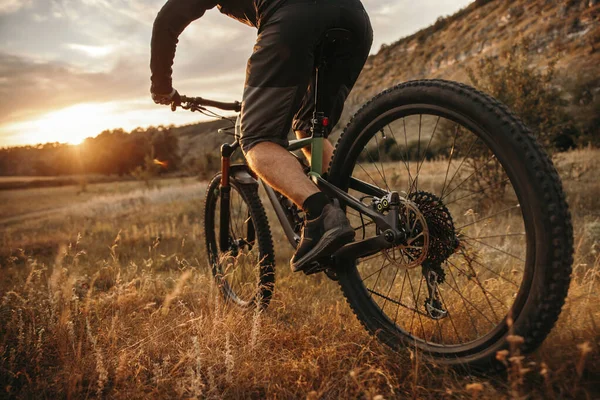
{"points": [[253, 148]]}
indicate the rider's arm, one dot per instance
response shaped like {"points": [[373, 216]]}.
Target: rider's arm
{"points": [[172, 19]]}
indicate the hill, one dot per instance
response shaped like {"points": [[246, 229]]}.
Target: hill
{"points": [[565, 31]]}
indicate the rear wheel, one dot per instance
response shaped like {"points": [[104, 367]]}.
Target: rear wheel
{"points": [[244, 267], [489, 248]]}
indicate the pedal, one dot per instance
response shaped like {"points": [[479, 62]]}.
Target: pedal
{"points": [[316, 268], [323, 265], [313, 268]]}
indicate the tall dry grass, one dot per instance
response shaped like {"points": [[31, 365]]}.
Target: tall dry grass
{"points": [[122, 305]]}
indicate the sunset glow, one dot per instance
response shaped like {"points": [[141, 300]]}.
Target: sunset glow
{"points": [[70, 125], [76, 123], [70, 70]]}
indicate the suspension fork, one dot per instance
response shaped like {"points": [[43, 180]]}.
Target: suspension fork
{"points": [[225, 194]]}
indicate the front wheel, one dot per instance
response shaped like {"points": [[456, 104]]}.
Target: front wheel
{"points": [[489, 246], [242, 263]]}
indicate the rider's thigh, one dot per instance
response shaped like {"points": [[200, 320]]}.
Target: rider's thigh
{"points": [[344, 62], [277, 75]]}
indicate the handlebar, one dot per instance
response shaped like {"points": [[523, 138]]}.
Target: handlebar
{"points": [[191, 103]]}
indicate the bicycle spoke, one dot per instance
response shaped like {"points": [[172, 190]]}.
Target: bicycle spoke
{"points": [[490, 270], [402, 156], [416, 305], [420, 165], [416, 180], [374, 163], [477, 192], [449, 160], [400, 297], [392, 283], [234, 215], [411, 180], [381, 163], [478, 283], [493, 247], [496, 236], [464, 303], [394, 279], [462, 162], [396, 302], [470, 303], [483, 290], [449, 314], [488, 217], [379, 275], [468, 177], [379, 270], [369, 175], [363, 260]]}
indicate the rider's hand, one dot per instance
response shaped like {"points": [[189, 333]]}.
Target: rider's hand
{"points": [[167, 98]]}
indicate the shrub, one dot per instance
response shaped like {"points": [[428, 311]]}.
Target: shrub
{"points": [[529, 92], [585, 104]]}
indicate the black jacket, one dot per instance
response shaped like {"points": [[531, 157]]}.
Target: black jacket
{"points": [[176, 15]]}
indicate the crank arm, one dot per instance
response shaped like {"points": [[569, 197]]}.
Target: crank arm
{"points": [[364, 248]]}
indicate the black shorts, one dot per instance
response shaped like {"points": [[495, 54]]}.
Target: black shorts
{"points": [[278, 93]]}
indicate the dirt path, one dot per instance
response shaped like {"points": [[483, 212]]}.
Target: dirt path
{"points": [[115, 204]]}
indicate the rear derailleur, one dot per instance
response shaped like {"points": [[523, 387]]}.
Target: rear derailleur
{"points": [[433, 304]]}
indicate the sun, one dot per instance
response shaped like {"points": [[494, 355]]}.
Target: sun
{"points": [[69, 125], [76, 123]]}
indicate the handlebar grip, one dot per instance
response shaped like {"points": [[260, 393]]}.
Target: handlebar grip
{"points": [[235, 106]]}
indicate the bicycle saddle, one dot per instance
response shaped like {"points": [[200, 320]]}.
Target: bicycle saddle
{"points": [[332, 40]]}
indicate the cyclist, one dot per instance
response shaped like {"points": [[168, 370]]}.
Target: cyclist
{"points": [[278, 94]]}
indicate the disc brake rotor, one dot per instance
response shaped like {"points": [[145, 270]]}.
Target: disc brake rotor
{"points": [[414, 252], [429, 228]]}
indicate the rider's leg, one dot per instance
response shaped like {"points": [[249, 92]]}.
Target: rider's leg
{"points": [[327, 229], [327, 149], [277, 78], [276, 166]]}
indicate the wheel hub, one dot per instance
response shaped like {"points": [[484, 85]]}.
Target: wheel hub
{"points": [[430, 235]]}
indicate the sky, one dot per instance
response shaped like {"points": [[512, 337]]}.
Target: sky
{"points": [[70, 69]]}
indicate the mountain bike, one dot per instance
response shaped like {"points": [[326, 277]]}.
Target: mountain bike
{"points": [[463, 234]]}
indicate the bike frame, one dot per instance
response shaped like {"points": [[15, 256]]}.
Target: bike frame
{"points": [[390, 235]]}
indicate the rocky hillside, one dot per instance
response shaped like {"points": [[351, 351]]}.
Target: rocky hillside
{"points": [[567, 31]]}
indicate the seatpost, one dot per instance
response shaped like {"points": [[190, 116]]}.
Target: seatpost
{"points": [[319, 125]]}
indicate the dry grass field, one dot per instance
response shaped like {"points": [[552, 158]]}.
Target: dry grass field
{"points": [[107, 293]]}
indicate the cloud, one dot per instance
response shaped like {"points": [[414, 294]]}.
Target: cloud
{"points": [[211, 56], [213, 45], [28, 87], [92, 51], [11, 6], [393, 20]]}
